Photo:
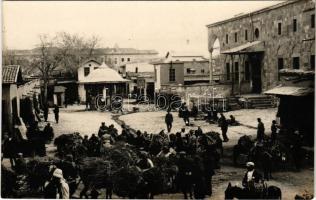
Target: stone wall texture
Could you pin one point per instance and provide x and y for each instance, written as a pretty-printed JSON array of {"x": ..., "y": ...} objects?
[{"x": 286, "y": 45}]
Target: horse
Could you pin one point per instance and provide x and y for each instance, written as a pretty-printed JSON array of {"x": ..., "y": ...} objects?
[{"x": 271, "y": 192}]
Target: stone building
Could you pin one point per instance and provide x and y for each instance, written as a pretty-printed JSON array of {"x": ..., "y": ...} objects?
[
  {"x": 180, "y": 69},
  {"x": 255, "y": 46},
  {"x": 117, "y": 57}
]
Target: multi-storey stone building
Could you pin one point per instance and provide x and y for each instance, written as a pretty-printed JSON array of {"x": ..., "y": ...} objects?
[{"x": 255, "y": 46}]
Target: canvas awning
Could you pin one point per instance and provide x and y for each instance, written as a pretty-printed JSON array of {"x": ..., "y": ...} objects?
[
  {"x": 249, "y": 47},
  {"x": 290, "y": 91}
]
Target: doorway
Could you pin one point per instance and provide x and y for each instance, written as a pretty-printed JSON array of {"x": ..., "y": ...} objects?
[{"x": 256, "y": 73}]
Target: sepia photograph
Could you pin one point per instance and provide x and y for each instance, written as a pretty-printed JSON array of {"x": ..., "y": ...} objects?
[{"x": 158, "y": 99}]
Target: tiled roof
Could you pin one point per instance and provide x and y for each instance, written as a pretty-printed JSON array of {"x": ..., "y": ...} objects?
[{"x": 10, "y": 74}]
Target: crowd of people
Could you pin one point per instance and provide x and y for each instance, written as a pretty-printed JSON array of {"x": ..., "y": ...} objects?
[{"x": 196, "y": 153}]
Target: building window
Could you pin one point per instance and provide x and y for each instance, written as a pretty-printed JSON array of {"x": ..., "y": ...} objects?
[
  {"x": 236, "y": 37},
  {"x": 312, "y": 61},
  {"x": 122, "y": 59},
  {"x": 237, "y": 71},
  {"x": 227, "y": 71},
  {"x": 257, "y": 33},
  {"x": 202, "y": 71},
  {"x": 279, "y": 28},
  {"x": 247, "y": 71},
  {"x": 115, "y": 60},
  {"x": 128, "y": 59},
  {"x": 296, "y": 62},
  {"x": 89, "y": 65},
  {"x": 172, "y": 75},
  {"x": 313, "y": 20},
  {"x": 246, "y": 35},
  {"x": 188, "y": 70},
  {"x": 136, "y": 70},
  {"x": 86, "y": 71},
  {"x": 226, "y": 38},
  {"x": 294, "y": 25},
  {"x": 280, "y": 65}
]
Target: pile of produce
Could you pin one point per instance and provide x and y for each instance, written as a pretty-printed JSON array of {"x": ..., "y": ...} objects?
[
  {"x": 95, "y": 171},
  {"x": 126, "y": 182},
  {"x": 121, "y": 155},
  {"x": 70, "y": 144}
]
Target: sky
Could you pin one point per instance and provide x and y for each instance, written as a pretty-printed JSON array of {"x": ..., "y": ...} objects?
[{"x": 163, "y": 26}]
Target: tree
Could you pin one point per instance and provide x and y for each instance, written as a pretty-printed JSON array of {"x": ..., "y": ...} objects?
[{"x": 63, "y": 50}]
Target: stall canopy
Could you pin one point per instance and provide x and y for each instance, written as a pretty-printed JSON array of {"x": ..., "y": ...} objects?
[
  {"x": 290, "y": 91},
  {"x": 104, "y": 74},
  {"x": 249, "y": 47}
]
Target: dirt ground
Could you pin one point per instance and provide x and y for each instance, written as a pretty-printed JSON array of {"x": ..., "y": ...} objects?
[{"x": 76, "y": 119}]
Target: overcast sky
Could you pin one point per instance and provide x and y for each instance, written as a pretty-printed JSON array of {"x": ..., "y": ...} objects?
[{"x": 164, "y": 26}]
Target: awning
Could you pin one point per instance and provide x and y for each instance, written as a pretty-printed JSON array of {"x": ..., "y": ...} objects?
[
  {"x": 249, "y": 47},
  {"x": 290, "y": 91}
]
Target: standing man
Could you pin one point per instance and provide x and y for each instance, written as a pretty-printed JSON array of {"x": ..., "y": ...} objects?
[
  {"x": 48, "y": 132},
  {"x": 56, "y": 112},
  {"x": 260, "y": 131},
  {"x": 224, "y": 127},
  {"x": 251, "y": 176},
  {"x": 273, "y": 131},
  {"x": 186, "y": 116},
  {"x": 169, "y": 120},
  {"x": 45, "y": 111},
  {"x": 57, "y": 187},
  {"x": 194, "y": 111}
]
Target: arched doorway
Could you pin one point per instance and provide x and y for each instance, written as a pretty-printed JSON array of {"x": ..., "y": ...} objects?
[{"x": 215, "y": 64}]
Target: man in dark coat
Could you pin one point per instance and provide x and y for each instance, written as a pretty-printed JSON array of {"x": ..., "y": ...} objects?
[
  {"x": 169, "y": 120},
  {"x": 186, "y": 116},
  {"x": 224, "y": 127},
  {"x": 194, "y": 111},
  {"x": 103, "y": 130},
  {"x": 45, "y": 109},
  {"x": 48, "y": 132},
  {"x": 251, "y": 176},
  {"x": 56, "y": 112},
  {"x": 273, "y": 131},
  {"x": 260, "y": 130},
  {"x": 184, "y": 176}
]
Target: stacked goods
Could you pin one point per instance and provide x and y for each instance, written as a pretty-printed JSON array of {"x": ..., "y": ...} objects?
[
  {"x": 121, "y": 155},
  {"x": 127, "y": 182},
  {"x": 70, "y": 144},
  {"x": 213, "y": 137},
  {"x": 245, "y": 142},
  {"x": 95, "y": 171},
  {"x": 168, "y": 170}
]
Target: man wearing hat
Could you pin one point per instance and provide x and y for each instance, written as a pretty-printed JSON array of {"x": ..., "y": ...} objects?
[
  {"x": 57, "y": 188},
  {"x": 251, "y": 176}
]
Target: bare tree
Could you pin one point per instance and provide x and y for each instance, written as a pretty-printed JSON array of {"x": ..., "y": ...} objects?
[{"x": 63, "y": 50}]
